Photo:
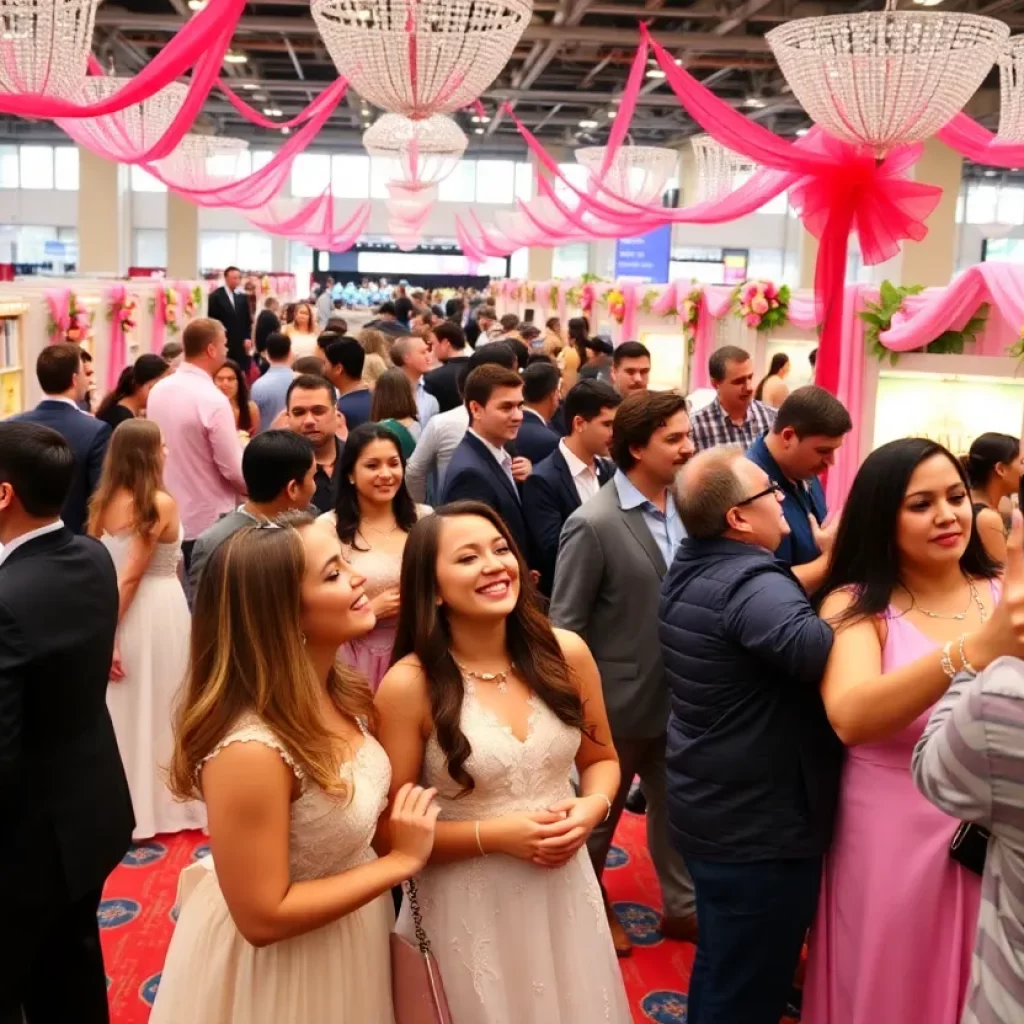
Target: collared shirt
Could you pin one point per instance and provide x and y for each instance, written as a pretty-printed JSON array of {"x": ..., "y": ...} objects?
[
  {"x": 41, "y": 531},
  {"x": 355, "y": 406},
  {"x": 325, "y": 494},
  {"x": 533, "y": 412},
  {"x": 434, "y": 450},
  {"x": 270, "y": 393},
  {"x": 583, "y": 476},
  {"x": 712, "y": 428},
  {"x": 501, "y": 456},
  {"x": 426, "y": 404},
  {"x": 66, "y": 401},
  {"x": 800, "y": 500},
  {"x": 203, "y": 470},
  {"x": 666, "y": 527}
]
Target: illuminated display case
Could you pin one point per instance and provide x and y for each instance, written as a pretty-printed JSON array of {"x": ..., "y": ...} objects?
[
  {"x": 669, "y": 358},
  {"x": 12, "y": 357}
]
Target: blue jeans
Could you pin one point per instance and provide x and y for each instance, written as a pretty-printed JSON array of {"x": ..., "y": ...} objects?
[{"x": 753, "y": 919}]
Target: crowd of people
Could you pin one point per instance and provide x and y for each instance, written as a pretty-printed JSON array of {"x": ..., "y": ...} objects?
[{"x": 414, "y": 641}]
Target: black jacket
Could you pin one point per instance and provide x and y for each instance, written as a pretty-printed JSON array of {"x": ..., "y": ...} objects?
[
  {"x": 549, "y": 498},
  {"x": 88, "y": 438},
  {"x": 474, "y": 475},
  {"x": 64, "y": 800},
  {"x": 753, "y": 764},
  {"x": 232, "y": 310},
  {"x": 443, "y": 383},
  {"x": 535, "y": 440}
]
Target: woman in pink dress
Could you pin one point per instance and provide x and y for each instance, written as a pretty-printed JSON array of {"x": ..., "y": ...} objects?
[
  {"x": 372, "y": 517},
  {"x": 913, "y": 598}
]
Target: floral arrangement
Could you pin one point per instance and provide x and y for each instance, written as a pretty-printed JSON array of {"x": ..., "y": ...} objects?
[
  {"x": 616, "y": 303},
  {"x": 588, "y": 296},
  {"x": 531, "y": 293},
  {"x": 689, "y": 312},
  {"x": 265, "y": 284},
  {"x": 170, "y": 309},
  {"x": 573, "y": 296},
  {"x": 878, "y": 317},
  {"x": 651, "y": 296},
  {"x": 1017, "y": 348},
  {"x": 79, "y": 324},
  {"x": 759, "y": 304},
  {"x": 194, "y": 302},
  {"x": 123, "y": 314}
]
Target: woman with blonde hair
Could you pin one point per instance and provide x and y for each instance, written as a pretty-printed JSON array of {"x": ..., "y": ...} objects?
[
  {"x": 290, "y": 920},
  {"x": 302, "y": 330},
  {"x": 375, "y": 343},
  {"x": 137, "y": 521},
  {"x": 374, "y": 368}
]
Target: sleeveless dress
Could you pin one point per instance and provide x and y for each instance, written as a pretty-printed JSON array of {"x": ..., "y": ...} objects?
[
  {"x": 153, "y": 639},
  {"x": 897, "y": 917},
  {"x": 337, "y": 974},
  {"x": 516, "y": 943}
]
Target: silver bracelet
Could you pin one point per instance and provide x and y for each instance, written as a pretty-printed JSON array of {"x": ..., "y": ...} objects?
[
  {"x": 608, "y": 813},
  {"x": 479, "y": 845},
  {"x": 946, "y": 661},
  {"x": 966, "y": 665}
]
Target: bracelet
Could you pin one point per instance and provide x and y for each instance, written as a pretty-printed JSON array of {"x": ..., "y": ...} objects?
[
  {"x": 967, "y": 666},
  {"x": 608, "y": 813},
  {"x": 480, "y": 845},
  {"x": 946, "y": 661}
]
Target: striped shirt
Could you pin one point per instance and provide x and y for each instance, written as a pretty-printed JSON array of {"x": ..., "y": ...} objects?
[
  {"x": 712, "y": 428},
  {"x": 969, "y": 763}
]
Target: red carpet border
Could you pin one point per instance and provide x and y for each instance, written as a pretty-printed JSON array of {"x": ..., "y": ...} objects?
[{"x": 136, "y": 918}]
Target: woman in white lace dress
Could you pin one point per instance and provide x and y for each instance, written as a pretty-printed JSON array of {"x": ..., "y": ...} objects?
[
  {"x": 137, "y": 521},
  {"x": 289, "y": 923},
  {"x": 492, "y": 707},
  {"x": 372, "y": 517}
]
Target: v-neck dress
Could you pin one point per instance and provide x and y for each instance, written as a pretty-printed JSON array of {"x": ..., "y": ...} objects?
[{"x": 516, "y": 943}]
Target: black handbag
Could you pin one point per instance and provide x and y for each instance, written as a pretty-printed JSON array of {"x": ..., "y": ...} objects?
[{"x": 969, "y": 846}]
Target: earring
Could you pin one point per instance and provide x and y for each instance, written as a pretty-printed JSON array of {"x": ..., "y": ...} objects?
[{"x": 303, "y": 635}]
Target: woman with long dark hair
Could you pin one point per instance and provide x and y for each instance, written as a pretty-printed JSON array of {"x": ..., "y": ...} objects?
[
  {"x": 914, "y": 599},
  {"x": 575, "y": 354},
  {"x": 993, "y": 467},
  {"x": 232, "y": 383},
  {"x": 493, "y": 707},
  {"x": 130, "y": 395},
  {"x": 772, "y": 389},
  {"x": 372, "y": 517},
  {"x": 289, "y": 920}
]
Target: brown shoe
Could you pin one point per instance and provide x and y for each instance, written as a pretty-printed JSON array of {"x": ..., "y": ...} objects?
[
  {"x": 680, "y": 929},
  {"x": 620, "y": 940}
]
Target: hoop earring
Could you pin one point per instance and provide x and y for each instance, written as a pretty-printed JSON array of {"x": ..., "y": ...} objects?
[{"x": 303, "y": 635}]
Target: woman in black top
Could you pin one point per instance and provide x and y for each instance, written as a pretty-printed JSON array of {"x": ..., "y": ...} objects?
[
  {"x": 993, "y": 467},
  {"x": 129, "y": 397}
]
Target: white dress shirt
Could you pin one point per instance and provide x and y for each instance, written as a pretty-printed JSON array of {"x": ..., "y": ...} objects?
[
  {"x": 41, "y": 531},
  {"x": 501, "y": 456},
  {"x": 583, "y": 476}
]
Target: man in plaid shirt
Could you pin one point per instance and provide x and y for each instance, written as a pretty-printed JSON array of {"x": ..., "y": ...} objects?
[{"x": 735, "y": 418}]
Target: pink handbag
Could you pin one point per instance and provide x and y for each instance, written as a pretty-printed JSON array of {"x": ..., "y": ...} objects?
[{"x": 416, "y": 987}]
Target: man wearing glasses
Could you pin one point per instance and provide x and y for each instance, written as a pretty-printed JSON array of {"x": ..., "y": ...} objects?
[
  {"x": 801, "y": 444},
  {"x": 753, "y": 765}
]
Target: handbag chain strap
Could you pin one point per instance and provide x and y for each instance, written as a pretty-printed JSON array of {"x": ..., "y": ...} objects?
[{"x": 417, "y": 917}]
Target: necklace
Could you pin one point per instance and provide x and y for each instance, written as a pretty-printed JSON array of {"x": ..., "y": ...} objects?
[
  {"x": 377, "y": 530},
  {"x": 500, "y": 679},
  {"x": 974, "y": 598}
]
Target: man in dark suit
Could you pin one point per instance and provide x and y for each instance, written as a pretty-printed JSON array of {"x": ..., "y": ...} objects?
[
  {"x": 231, "y": 308},
  {"x": 61, "y": 375},
  {"x": 450, "y": 349},
  {"x": 64, "y": 799},
  {"x": 542, "y": 385},
  {"x": 481, "y": 468},
  {"x": 572, "y": 474}
]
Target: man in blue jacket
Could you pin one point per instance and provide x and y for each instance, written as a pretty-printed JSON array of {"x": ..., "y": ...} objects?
[{"x": 753, "y": 765}]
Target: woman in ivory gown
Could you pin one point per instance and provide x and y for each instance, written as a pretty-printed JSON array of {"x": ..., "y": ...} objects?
[
  {"x": 137, "y": 521},
  {"x": 493, "y": 708},
  {"x": 290, "y": 921}
]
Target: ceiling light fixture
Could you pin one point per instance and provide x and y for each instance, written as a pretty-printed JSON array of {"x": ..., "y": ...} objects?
[
  {"x": 250, "y": 86},
  {"x": 478, "y": 131},
  {"x": 588, "y": 124},
  {"x": 927, "y": 3},
  {"x": 196, "y": 5},
  {"x": 801, "y": 132},
  {"x": 475, "y": 119},
  {"x": 365, "y": 112},
  {"x": 234, "y": 57},
  {"x": 655, "y": 73},
  {"x": 611, "y": 114},
  {"x": 271, "y": 112},
  {"x": 484, "y": 119},
  {"x": 754, "y": 102}
]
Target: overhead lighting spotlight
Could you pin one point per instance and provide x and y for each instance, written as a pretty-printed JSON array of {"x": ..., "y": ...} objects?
[
  {"x": 801, "y": 132},
  {"x": 286, "y": 131},
  {"x": 755, "y": 102},
  {"x": 475, "y": 119},
  {"x": 365, "y": 112},
  {"x": 250, "y": 86},
  {"x": 927, "y": 3},
  {"x": 196, "y": 5},
  {"x": 260, "y": 97},
  {"x": 363, "y": 15},
  {"x": 588, "y": 124},
  {"x": 234, "y": 57},
  {"x": 611, "y": 114},
  {"x": 655, "y": 73},
  {"x": 478, "y": 131},
  {"x": 990, "y": 174},
  {"x": 271, "y": 112},
  {"x": 484, "y": 119}
]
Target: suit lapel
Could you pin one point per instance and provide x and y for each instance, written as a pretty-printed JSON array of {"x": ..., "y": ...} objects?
[
  {"x": 492, "y": 464},
  {"x": 634, "y": 519},
  {"x": 565, "y": 477}
]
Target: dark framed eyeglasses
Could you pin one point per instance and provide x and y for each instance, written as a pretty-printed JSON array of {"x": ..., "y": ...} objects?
[{"x": 774, "y": 488}]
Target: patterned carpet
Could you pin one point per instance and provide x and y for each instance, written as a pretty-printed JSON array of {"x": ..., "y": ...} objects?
[{"x": 136, "y": 918}]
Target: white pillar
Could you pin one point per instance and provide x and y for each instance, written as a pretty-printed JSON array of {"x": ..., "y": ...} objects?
[
  {"x": 182, "y": 238},
  {"x": 104, "y": 216}
]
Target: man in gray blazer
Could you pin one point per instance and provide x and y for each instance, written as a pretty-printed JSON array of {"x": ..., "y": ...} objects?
[{"x": 613, "y": 553}]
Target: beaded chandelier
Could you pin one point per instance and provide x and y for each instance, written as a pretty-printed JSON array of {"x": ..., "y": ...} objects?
[
  {"x": 420, "y": 57},
  {"x": 882, "y": 79},
  {"x": 45, "y": 45},
  {"x": 203, "y": 162},
  {"x": 423, "y": 152},
  {"x": 130, "y": 132},
  {"x": 638, "y": 174},
  {"x": 718, "y": 168},
  {"x": 1011, "y": 89}
]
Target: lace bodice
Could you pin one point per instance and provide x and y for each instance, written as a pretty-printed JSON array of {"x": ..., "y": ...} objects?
[
  {"x": 328, "y": 834},
  {"x": 510, "y": 776},
  {"x": 165, "y": 558}
]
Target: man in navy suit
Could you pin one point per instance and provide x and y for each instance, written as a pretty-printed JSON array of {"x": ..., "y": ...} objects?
[
  {"x": 571, "y": 474},
  {"x": 231, "y": 308},
  {"x": 481, "y": 468},
  {"x": 61, "y": 375},
  {"x": 542, "y": 386}
]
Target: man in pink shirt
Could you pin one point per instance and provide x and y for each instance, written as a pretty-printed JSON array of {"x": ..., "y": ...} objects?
[{"x": 203, "y": 469}]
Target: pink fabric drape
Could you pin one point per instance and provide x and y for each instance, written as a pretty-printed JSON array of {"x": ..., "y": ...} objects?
[
  {"x": 315, "y": 223},
  {"x": 715, "y": 303},
  {"x": 158, "y": 335},
  {"x": 58, "y": 301},
  {"x": 117, "y": 353},
  {"x": 977, "y": 143}
]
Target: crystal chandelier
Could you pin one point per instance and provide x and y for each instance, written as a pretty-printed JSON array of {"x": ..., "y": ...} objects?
[
  {"x": 637, "y": 174},
  {"x": 886, "y": 78},
  {"x": 204, "y": 162},
  {"x": 423, "y": 152},
  {"x": 130, "y": 132},
  {"x": 718, "y": 168},
  {"x": 420, "y": 57},
  {"x": 1011, "y": 90},
  {"x": 46, "y": 45}
]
